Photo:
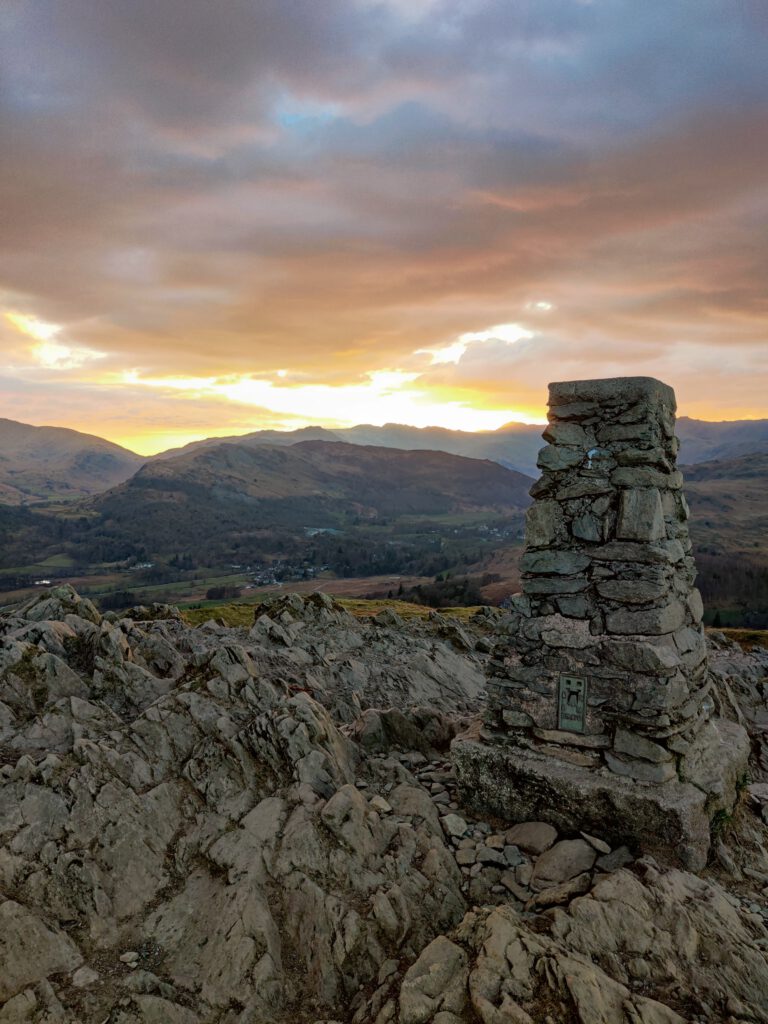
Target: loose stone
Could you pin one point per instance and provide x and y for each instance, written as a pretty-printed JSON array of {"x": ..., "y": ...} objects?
[{"x": 532, "y": 836}]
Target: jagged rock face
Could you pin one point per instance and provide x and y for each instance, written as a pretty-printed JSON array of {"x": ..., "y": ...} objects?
[
  {"x": 596, "y": 962},
  {"x": 174, "y": 791},
  {"x": 219, "y": 826}
]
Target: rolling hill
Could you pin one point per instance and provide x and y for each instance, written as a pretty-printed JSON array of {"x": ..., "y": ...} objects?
[
  {"x": 313, "y": 485},
  {"x": 39, "y": 463}
]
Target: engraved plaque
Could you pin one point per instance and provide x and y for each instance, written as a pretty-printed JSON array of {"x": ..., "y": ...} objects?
[{"x": 572, "y": 703}]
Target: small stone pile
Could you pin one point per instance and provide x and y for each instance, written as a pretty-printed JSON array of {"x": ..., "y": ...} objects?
[{"x": 500, "y": 864}]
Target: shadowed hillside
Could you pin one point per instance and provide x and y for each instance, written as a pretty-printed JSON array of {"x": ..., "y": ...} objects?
[
  {"x": 729, "y": 500},
  {"x": 311, "y": 485},
  {"x": 702, "y": 441},
  {"x": 729, "y": 526},
  {"x": 52, "y": 462}
]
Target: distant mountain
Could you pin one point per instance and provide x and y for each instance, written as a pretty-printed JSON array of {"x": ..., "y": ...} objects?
[
  {"x": 702, "y": 441},
  {"x": 255, "y": 439},
  {"x": 514, "y": 445},
  {"x": 178, "y": 503},
  {"x": 50, "y": 462}
]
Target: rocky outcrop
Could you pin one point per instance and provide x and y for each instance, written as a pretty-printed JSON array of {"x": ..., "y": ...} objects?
[
  {"x": 615, "y": 956},
  {"x": 224, "y": 826}
]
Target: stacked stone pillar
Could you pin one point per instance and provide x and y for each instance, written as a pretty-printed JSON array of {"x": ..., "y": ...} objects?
[
  {"x": 608, "y": 589},
  {"x": 606, "y": 674}
]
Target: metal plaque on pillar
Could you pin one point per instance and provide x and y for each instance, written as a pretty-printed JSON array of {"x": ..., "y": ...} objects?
[{"x": 572, "y": 703}]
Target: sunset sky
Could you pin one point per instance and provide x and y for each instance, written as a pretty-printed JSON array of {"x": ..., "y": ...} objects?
[{"x": 222, "y": 215}]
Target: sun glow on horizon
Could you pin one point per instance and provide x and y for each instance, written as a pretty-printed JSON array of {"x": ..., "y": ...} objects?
[{"x": 386, "y": 396}]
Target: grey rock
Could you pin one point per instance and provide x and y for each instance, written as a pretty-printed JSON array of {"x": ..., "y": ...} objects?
[
  {"x": 632, "y": 591},
  {"x": 555, "y": 585},
  {"x": 568, "y": 434},
  {"x": 562, "y": 892},
  {"x": 379, "y": 804},
  {"x": 641, "y": 771},
  {"x": 584, "y": 486},
  {"x": 30, "y": 951},
  {"x": 83, "y": 977},
  {"x": 642, "y": 477},
  {"x": 488, "y": 856},
  {"x": 574, "y": 606},
  {"x": 435, "y": 982},
  {"x": 642, "y": 656},
  {"x": 635, "y": 745},
  {"x": 454, "y": 825},
  {"x": 561, "y": 563},
  {"x": 587, "y": 527},
  {"x": 613, "y": 391},
  {"x": 543, "y": 524},
  {"x": 695, "y": 605},
  {"x": 716, "y": 762},
  {"x": 558, "y": 457},
  {"x": 520, "y": 892},
  {"x": 655, "y": 457},
  {"x": 559, "y": 631},
  {"x": 496, "y": 842},
  {"x": 618, "y": 858},
  {"x": 662, "y": 553},
  {"x": 641, "y": 516},
  {"x": 510, "y": 782},
  {"x": 590, "y": 741},
  {"x": 532, "y": 836},
  {"x": 596, "y": 844},
  {"x": 563, "y": 861},
  {"x": 652, "y": 621}
]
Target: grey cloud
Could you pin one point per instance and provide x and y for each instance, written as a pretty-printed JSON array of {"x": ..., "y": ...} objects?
[{"x": 450, "y": 166}]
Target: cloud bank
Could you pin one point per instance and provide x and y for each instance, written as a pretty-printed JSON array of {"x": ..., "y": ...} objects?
[{"x": 258, "y": 197}]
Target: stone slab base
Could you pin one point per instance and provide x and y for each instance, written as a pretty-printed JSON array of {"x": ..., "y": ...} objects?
[{"x": 519, "y": 785}]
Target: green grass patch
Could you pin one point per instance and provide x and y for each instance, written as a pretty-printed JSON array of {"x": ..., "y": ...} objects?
[
  {"x": 241, "y": 613},
  {"x": 60, "y": 561},
  {"x": 748, "y": 639}
]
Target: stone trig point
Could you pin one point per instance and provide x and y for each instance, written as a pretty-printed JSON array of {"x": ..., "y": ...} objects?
[{"x": 600, "y": 710}]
